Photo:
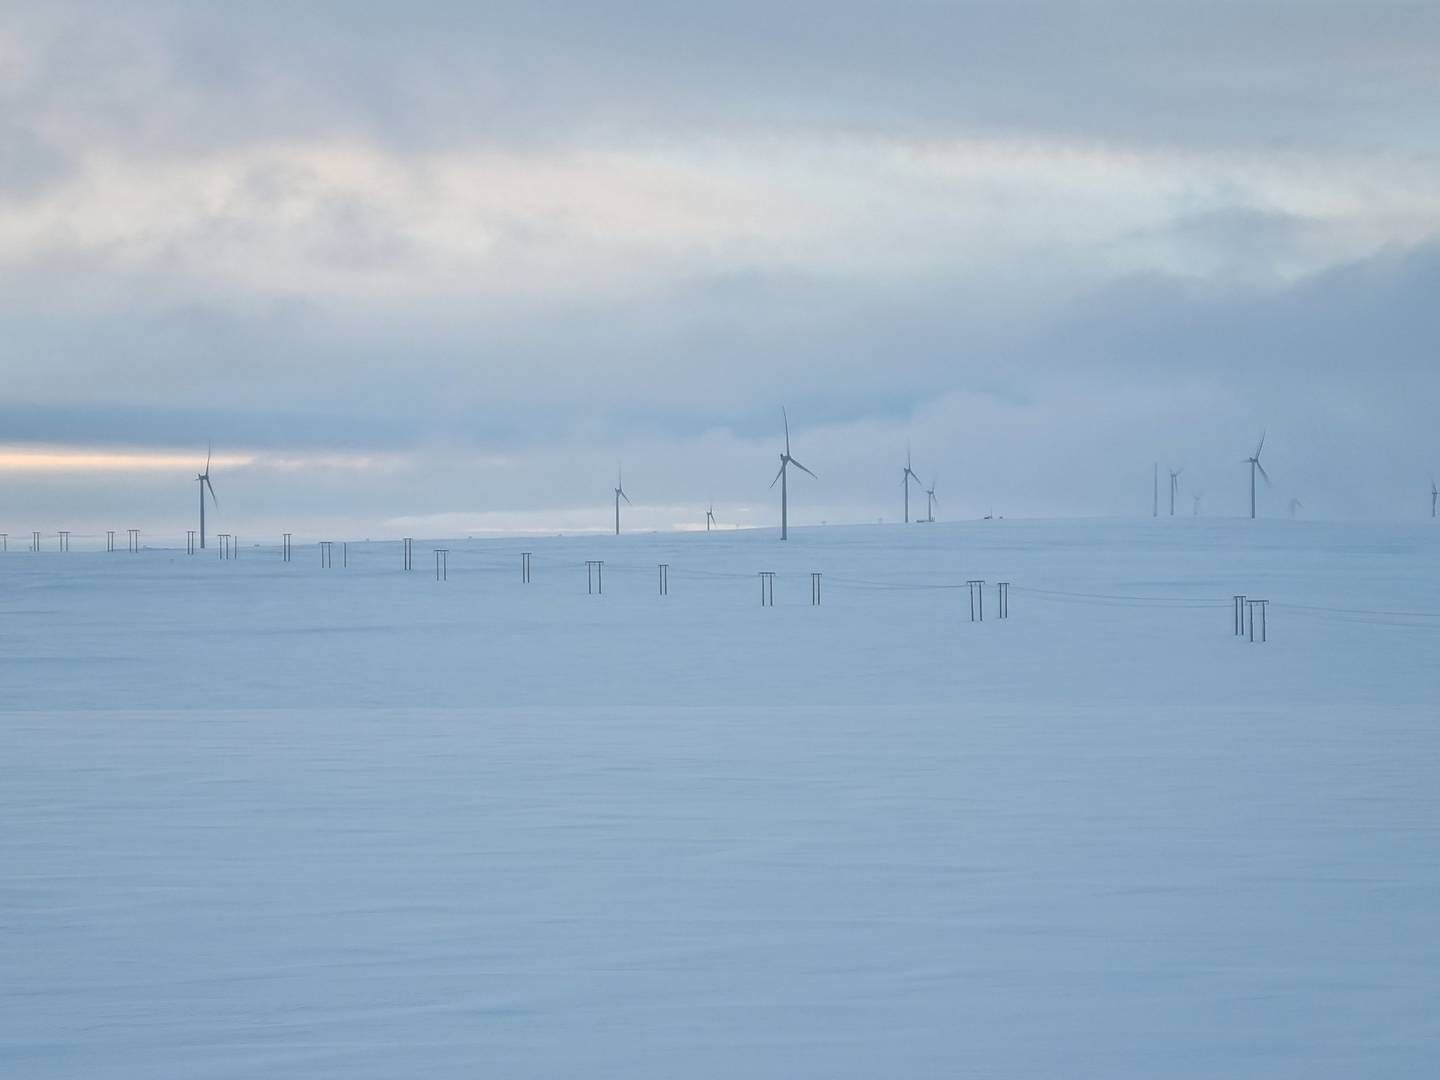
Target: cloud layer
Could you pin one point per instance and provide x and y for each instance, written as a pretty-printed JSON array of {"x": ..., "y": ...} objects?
[{"x": 449, "y": 263}]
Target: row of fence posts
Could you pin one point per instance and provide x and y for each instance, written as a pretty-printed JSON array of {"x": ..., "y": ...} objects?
[
  {"x": 63, "y": 540},
  {"x": 595, "y": 573},
  {"x": 1244, "y": 617},
  {"x": 595, "y": 586},
  {"x": 977, "y": 599}
]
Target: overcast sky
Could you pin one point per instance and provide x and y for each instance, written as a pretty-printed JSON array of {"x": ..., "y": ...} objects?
[{"x": 435, "y": 268}]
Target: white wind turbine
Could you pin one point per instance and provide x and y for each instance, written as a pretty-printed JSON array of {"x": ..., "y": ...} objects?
[
  {"x": 203, "y": 479},
  {"x": 1254, "y": 462},
  {"x": 619, "y": 494},
  {"x": 783, "y": 478},
  {"x": 905, "y": 478}
]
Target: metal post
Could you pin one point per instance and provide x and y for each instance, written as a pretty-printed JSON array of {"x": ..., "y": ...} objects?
[
  {"x": 1252, "y": 605},
  {"x": 442, "y": 564},
  {"x": 1239, "y": 619},
  {"x": 815, "y": 588},
  {"x": 525, "y": 567},
  {"x": 767, "y": 588},
  {"x": 977, "y": 591},
  {"x": 285, "y": 547},
  {"x": 326, "y": 555},
  {"x": 34, "y": 541},
  {"x": 594, "y": 577},
  {"x": 664, "y": 579},
  {"x": 135, "y": 540},
  {"x": 1002, "y": 599},
  {"x": 344, "y": 554},
  {"x": 409, "y": 553},
  {"x": 64, "y": 539}
]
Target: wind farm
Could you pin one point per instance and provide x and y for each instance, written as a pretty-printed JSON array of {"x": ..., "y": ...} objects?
[{"x": 438, "y": 750}]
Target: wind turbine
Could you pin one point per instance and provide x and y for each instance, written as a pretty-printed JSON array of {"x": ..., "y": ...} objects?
[
  {"x": 203, "y": 479},
  {"x": 1174, "y": 486},
  {"x": 1155, "y": 486},
  {"x": 1254, "y": 462},
  {"x": 710, "y": 516},
  {"x": 1195, "y": 511},
  {"x": 930, "y": 502},
  {"x": 783, "y": 478},
  {"x": 619, "y": 494},
  {"x": 1295, "y": 504},
  {"x": 1434, "y": 495},
  {"x": 905, "y": 479}
]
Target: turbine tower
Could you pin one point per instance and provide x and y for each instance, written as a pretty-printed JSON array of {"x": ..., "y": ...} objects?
[
  {"x": 1434, "y": 495},
  {"x": 619, "y": 494},
  {"x": 905, "y": 478},
  {"x": 783, "y": 478},
  {"x": 930, "y": 502},
  {"x": 203, "y": 479},
  {"x": 1174, "y": 486},
  {"x": 1254, "y": 462}
]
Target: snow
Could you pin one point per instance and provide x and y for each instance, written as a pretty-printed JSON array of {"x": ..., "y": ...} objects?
[{"x": 272, "y": 820}]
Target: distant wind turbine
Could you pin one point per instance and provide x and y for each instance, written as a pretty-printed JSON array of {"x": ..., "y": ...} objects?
[
  {"x": 1434, "y": 494},
  {"x": 930, "y": 502},
  {"x": 1195, "y": 511},
  {"x": 1295, "y": 504},
  {"x": 710, "y": 516},
  {"x": 905, "y": 478},
  {"x": 783, "y": 478},
  {"x": 619, "y": 494},
  {"x": 1174, "y": 486},
  {"x": 203, "y": 479},
  {"x": 1254, "y": 462}
]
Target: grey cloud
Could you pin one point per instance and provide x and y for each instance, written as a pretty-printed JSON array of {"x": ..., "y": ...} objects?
[{"x": 1265, "y": 74}]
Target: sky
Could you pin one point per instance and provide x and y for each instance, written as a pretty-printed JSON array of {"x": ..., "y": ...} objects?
[{"x": 441, "y": 268}]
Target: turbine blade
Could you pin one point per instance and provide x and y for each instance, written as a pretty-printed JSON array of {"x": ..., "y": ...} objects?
[
  {"x": 211, "y": 486},
  {"x": 1261, "y": 445},
  {"x": 786, "y": 417},
  {"x": 1263, "y": 473},
  {"x": 626, "y": 498},
  {"x": 778, "y": 475},
  {"x": 802, "y": 467}
]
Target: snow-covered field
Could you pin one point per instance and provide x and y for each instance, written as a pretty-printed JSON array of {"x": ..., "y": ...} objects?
[{"x": 260, "y": 819}]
